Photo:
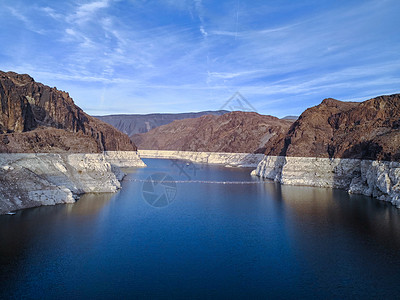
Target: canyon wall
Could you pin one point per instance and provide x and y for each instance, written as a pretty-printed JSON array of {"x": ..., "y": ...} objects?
[
  {"x": 379, "y": 179},
  {"x": 37, "y": 118},
  {"x": 35, "y": 179},
  {"x": 234, "y": 132}
]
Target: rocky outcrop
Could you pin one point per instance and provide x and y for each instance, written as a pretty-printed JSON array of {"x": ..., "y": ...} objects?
[
  {"x": 28, "y": 106},
  {"x": 47, "y": 140},
  {"x": 348, "y": 145},
  {"x": 334, "y": 129},
  {"x": 379, "y": 179},
  {"x": 124, "y": 159},
  {"x": 235, "y": 132},
  {"x": 35, "y": 179},
  {"x": 133, "y": 124},
  {"x": 30, "y": 180},
  {"x": 249, "y": 160}
]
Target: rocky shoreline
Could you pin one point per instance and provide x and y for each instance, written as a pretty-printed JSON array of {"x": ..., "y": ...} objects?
[
  {"x": 244, "y": 160},
  {"x": 378, "y": 179},
  {"x": 36, "y": 179}
]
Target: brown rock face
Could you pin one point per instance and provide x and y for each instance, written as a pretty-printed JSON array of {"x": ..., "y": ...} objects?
[
  {"x": 335, "y": 129},
  {"x": 237, "y": 132},
  {"x": 26, "y": 105},
  {"x": 47, "y": 140}
]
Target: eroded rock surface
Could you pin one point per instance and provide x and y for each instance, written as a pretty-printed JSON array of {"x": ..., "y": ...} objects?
[
  {"x": 378, "y": 179},
  {"x": 235, "y": 132},
  {"x": 29, "y": 106},
  {"x": 335, "y": 129},
  {"x": 30, "y": 180},
  {"x": 134, "y": 123}
]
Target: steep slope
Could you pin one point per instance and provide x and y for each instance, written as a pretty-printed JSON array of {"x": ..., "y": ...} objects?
[
  {"x": 335, "y": 129},
  {"x": 236, "y": 132},
  {"x": 133, "y": 124},
  {"x": 55, "y": 122}
]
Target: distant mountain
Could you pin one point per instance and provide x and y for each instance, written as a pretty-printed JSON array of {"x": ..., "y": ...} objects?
[
  {"x": 336, "y": 129},
  {"x": 290, "y": 118},
  {"x": 245, "y": 132},
  {"x": 136, "y": 123},
  {"x": 37, "y": 118}
]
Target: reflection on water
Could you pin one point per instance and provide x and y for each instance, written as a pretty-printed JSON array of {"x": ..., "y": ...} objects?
[
  {"x": 89, "y": 204},
  {"x": 213, "y": 241},
  {"x": 21, "y": 233},
  {"x": 332, "y": 207}
]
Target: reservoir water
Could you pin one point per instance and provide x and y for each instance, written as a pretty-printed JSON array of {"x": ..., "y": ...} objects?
[{"x": 194, "y": 237}]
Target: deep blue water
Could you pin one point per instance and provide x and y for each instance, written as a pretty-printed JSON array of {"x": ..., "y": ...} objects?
[{"x": 208, "y": 241}]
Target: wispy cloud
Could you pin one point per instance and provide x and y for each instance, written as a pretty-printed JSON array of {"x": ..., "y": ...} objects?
[
  {"x": 200, "y": 12},
  {"x": 146, "y": 56},
  {"x": 25, "y": 19},
  {"x": 87, "y": 11}
]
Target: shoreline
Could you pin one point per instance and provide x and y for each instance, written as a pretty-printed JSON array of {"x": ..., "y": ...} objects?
[
  {"x": 36, "y": 179},
  {"x": 240, "y": 160},
  {"x": 377, "y": 179}
]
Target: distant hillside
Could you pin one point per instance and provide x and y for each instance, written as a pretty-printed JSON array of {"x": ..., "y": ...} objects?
[
  {"x": 135, "y": 123},
  {"x": 37, "y": 118},
  {"x": 245, "y": 132},
  {"x": 336, "y": 129},
  {"x": 290, "y": 118}
]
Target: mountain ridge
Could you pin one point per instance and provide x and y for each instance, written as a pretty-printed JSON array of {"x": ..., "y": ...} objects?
[
  {"x": 338, "y": 129},
  {"x": 235, "y": 132},
  {"x": 131, "y": 124},
  {"x": 29, "y": 106}
]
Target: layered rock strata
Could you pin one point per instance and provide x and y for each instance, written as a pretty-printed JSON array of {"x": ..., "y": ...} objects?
[
  {"x": 349, "y": 145},
  {"x": 35, "y": 179},
  {"x": 379, "y": 179},
  {"x": 124, "y": 159}
]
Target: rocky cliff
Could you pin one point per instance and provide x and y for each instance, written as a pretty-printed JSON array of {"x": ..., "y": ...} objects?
[
  {"x": 133, "y": 124},
  {"x": 35, "y": 179},
  {"x": 348, "y": 145},
  {"x": 37, "y": 118},
  {"x": 378, "y": 179},
  {"x": 235, "y": 132},
  {"x": 335, "y": 129}
]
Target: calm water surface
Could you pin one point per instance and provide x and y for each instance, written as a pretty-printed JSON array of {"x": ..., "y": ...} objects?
[{"x": 211, "y": 241}]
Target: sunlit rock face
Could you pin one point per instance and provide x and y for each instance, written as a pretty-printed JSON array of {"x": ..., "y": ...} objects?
[
  {"x": 35, "y": 179},
  {"x": 335, "y": 129},
  {"x": 124, "y": 159},
  {"x": 379, "y": 179},
  {"x": 30, "y": 180},
  {"x": 348, "y": 145},
  {"x": 132, "y": 124},
  {"x": 234, "y": 132},
  {"x": 37, "y": 118}
]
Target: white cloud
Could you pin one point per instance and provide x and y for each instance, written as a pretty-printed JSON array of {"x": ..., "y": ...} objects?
[
  {"x": 87, "y": 11},
  {"x": 203, "y": 32},
  {"x": 98, "y": 46},
  {"x": 52, "y": 13},
  {"x": 22, "y": 17}
]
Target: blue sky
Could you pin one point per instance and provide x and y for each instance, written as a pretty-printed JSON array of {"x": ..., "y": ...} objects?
[{"x": 144, "y": 56}]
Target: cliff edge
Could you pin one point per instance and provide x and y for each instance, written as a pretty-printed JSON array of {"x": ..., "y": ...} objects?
[
  {"x": 335, "y": 129},
  {"x": 37, "y": 118}
]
